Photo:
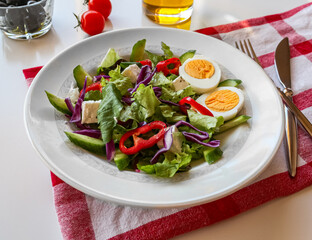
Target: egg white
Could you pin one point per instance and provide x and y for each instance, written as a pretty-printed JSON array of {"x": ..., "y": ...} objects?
[
  {"x": 201, "y": 85},
  {"x": 227, "y": 115}
]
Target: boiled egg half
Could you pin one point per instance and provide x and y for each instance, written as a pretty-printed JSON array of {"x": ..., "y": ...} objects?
[
  {"x": 223, "y": 101},
  {"x": 202, "y": 73}
]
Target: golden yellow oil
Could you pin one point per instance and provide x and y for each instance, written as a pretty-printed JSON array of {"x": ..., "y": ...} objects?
[{"x": 168, "y": 11}]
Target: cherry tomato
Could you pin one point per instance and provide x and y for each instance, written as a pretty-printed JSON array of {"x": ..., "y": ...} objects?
[
  {"x": 102, "y": 6},
  {"x": 92, "y": 22}
]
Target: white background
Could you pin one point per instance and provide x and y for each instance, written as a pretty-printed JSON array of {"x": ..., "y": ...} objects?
[{"x": 26, "y": 202}]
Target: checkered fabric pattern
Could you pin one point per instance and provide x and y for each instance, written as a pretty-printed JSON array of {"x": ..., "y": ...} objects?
[{"x": 84, "y": 217}]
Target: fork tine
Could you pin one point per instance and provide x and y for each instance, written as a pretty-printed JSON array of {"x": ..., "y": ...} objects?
[
  {"x": 242, "y": 47},
  {"x": 246, "y": 47},
  {"x": 253, "y": 52},
  {"x": 236, "y": 45}
]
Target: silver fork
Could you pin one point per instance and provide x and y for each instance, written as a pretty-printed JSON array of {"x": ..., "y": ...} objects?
[{"x": 292, "y": 107}]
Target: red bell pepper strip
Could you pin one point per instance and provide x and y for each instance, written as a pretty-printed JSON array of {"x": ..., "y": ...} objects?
[
  {"x": 195, "y": 105},
  {"x": 169, "y": 66},
  {"x": 140, "y": 143},
  {"x": 93, "y": 87},
  {"x": 146, "y": 62}
]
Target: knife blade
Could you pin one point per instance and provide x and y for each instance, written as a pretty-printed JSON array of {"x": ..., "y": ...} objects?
[{"x": 282, "y": 65}]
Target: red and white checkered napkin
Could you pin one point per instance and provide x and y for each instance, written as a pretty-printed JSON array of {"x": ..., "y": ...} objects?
[{"x": 84, "y": 217}]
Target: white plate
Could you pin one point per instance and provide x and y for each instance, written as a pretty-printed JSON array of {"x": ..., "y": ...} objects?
[{"x": 248, "y": 149}]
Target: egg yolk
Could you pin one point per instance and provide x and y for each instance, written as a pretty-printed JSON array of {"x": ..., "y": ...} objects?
[
  {"x": 222, "y": 100},
  {"x": 199, "y": 68}
]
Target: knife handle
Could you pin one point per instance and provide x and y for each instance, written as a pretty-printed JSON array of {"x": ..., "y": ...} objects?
[
  {"x": 291, "y": 141},
  {"x": 304, "y": 122}
]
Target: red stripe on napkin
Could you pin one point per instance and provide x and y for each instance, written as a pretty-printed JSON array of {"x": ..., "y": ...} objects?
[
  {"x": 184, "y": 221},
  {"x": 266, "y": 60},
  {"x": 305, "y": 146},
  {"x": 30, "y": 74},
  {"x": 55, "y": 180},
  {"x": 73, "y": 213},
  {"x": 303, "y": 100},
  {"x": 305, "y": 48},
  {"x": 210, "y": 31}
]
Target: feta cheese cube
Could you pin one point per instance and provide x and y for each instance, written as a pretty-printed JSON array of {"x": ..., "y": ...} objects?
[
  {"x": 89, "y": 111},
  {"x": 132, "y": 72},
  {"x": 179, "y": 83}
]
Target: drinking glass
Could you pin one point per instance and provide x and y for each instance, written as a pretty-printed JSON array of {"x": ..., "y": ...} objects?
[
  {"x": 27, "y": 21},
  {"x": 168, "y": 12}
]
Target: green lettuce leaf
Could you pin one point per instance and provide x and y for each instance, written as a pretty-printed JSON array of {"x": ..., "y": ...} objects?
[
  {"x": 172, "y": 77},
  {"x": 170, "y": 114},
  {"x": 145, "y": 103},
  {"x": 175, "y": 118},
  {"x": 138, "y": 49},
  {"x": 122, "y": 83},
  {"x": 154, "y": 57},
  {"x": 168, "y": 168},
  {"x": 167, "y": 111},
  {"x": 120, "y": 130},
  {"x": 203, "y": 122},
  {"x": 127, "y": 114},
  {"x": 93, "y": 95},
  {"x": 170, "y": 94},
  {"x": 109, "y": 60},
  {"x": 149, "y": 169},
  {"x": 166, "y": 49},
  {"x": 109, "y": 109},
  {"x": 159, "y": 80},
  {"x": 193, "y": 149},
  {"x": 212, "y": 155}
]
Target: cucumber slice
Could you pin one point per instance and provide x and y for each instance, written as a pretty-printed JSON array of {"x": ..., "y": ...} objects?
[
  {"x": 212, "y": 155},
  {"x": 58, "y": 103},
  {"x": 121, "y": 160},
  {"x": 232, "y": 123},
  {"x": 90, "y": 144},
  {"x": 187, "y": 55},
  {"x": 138, "y": 51},
  {"x": 80, "y": 75},
  {"x": 230, "y": 83}
]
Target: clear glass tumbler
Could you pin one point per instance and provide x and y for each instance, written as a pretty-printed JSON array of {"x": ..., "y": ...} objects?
[
  {"x": 168, "y": 12},
  {"x": 27, "y": 21}
]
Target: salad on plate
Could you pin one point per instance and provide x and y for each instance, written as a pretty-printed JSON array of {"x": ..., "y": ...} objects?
[{"x": 152, "y": 113}]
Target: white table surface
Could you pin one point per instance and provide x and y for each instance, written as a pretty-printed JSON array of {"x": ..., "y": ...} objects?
[{"x": 26, "y": 202}]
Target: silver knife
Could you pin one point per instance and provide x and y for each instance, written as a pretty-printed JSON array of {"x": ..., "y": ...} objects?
[{"x": 282, "y": 65}]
